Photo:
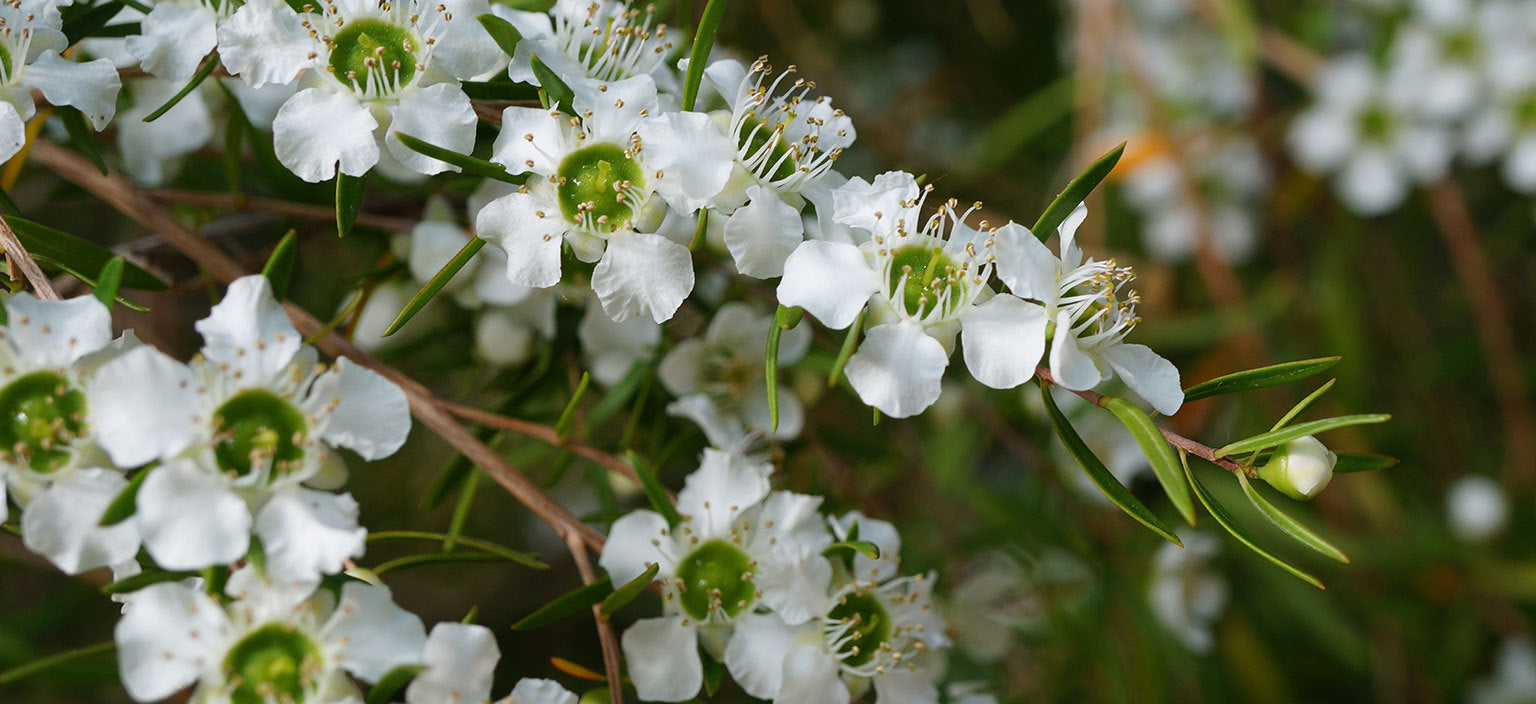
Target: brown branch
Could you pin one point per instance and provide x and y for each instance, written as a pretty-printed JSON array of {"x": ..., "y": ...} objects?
[
  {"x": 542, "y": 433},
  {"x": 136, "y": 204},
  {"x": 20, "y": 259},
  {"x": 281, "y": 207},
  {"x": 605, "y": 637}
]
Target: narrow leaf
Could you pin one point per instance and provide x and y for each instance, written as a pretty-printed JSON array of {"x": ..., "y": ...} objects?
[
  {"x": 653, "y": 490},
  {"x": 700, "y": 229},
  {"x": 850, "y": 341},
  {"x": 502, "y": 31},
  {"x": 80, "y": 135},
  {"x": 560, "y": 95},
  {"x": 714, "y": 676},
  {"x": 51, "y": 661},
  {"x": 392, "y": 682},
  {"x": 1159, "y": 453},
  {"x": 126, "y": 502},
  {"x": 568, "y": 414},
  {"x": 627, "y": 593},
  {"x": 1302, "y": 405},
  {"x": 1076, "y": 192},
  {"x": 10, "y": 205},
  {"x": 569, "y": 604},
  {"x": 429, "y": 558},
  {"x": 131, "y": 584},
  {"x": 81, "y": 258},
  {"x": 1258, "y": 378},
  {"x": 1237, "y": 531},
  {"x": 349, "y": 201},
  {"x": 1284, "y": 435},
  {"x": 279, "y": 266},
  {"x": 1099, "y": 474},
  {"x": 771, "y": 368},
  {"x": 1289, "y": 525},
  {"x": 1352, "y": 462},
  {"x": 79, "y": 25},
  {"x": 703, "y": 42},
  {"x": 526, "y": 558},
  {"x": 108, "y": 281},
  {"x": 505, "y": 91},
  {"x": 862, "y": 547},
  {"x": 579, "y": 672},
  {"x": 209, "y": 64},
  {"x": 431, "y": 288},
  {"x": 468, "y": 164}
]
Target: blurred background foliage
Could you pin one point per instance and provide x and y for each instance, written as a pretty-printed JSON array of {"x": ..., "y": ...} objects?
[{"x": 1048, "y": 586}]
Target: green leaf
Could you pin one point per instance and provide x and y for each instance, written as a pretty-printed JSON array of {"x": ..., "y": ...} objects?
[
  {"x": 85, "y": 22},
  {"x": 771, "y": 367},
  {"x": 447, "y": 482},
  {"x": 469, "y": 164},
  {"x": 1302, "y": 405},
  {"x": 5, "y": 200},
  {"x": 714, "y": 675},
  {"x": 131, "y": 584},
  {"x": 505, "y": 91},
  {"x": 108, "y": 281},
  {"x": 279, "y": 266},
  {"x": 568, "y": 414},
  {"x": 1258, "y": 378},
  {"x": 126, "y": 502},
  {"x": 1288, "y": 525},
  {"x": 1284, "y": 435},
  {"x": 524, "y": 558},
  {"x": 51, "y": 661},
  {"x": 559, "y": 94},
  {"x": 1159, "y": 453},
  {"x": 850, "y": 341},
  {"x": 429, "y": 558},
  {"x": 1076, "y": 192},
  {"x": 121, "y": 29},
  {"x": 502, "y": 31},
  {"x": 862, "y": 547},
  {"x": 627, "y": 593},
  {"x": 569, "y": 604},
  {"x": 703, "y": 42},
  {"x": 349, "y": 201},
  {"x": 81, "y": 258},
  {"x": 1237, "y": 531},
  {"x": 431, "y": 288},
  {"x": 1353, "y": 462},
  {"x": 619, "y": 394},
  {"x": 653, "y": 489},
  {"x": 392, "y": 682},
  {"x": 700, "y": 229},
  {"x": 80, "y": 135},
  {"x": 1099, "y": 474},
  {"x": 209, "y": 64}
]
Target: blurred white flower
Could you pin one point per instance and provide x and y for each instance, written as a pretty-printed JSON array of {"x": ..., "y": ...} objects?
[
  {"x": 1476, "y": 508},
  {"x": 30, "y": 60},
  {"x": 1186, "y": 594},
  {"x": 1514, "y": 678}
]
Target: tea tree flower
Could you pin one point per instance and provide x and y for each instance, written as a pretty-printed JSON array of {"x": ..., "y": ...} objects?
[
  {"x": 738, "y": 548},
  {"x": 1476, "y": 508},
  {"x": 1514, "y": 677},
  {"x": 718, "y": 378},
  {"x": 460, "y": 663},
  {"x": 373, "y": 69},
  {"x": 610, "y": 349},
  {"x": 596, "y": 40},
  {"x": 923, "y": 281},
  {"x": 591, "y": 187},
  {"x": 1186, "y": 594},
  {"x": 270, "y": 643},
  {"x": 30, "y": 43},
  {"x": 152, "y": 151},
  {"x": 1083, "y": 302},
  {"x": 176, "y": 35}
]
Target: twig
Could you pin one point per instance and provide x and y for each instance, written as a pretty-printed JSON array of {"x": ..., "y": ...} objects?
[
  {"x": 540, "y": 432},
  {"x": 605, "y": 637},
  {"x": 133, "y": 202},
  {"x": 19, "y": 258},
  {"x": 281, "y": 207}
]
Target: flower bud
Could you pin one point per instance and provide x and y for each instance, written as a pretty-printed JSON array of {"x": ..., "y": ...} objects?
[{"x": 1300, "y": 468}]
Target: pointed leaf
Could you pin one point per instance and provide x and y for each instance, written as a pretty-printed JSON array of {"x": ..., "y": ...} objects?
[
  {"x": 392, "y": 682},
  {"x": 1353, "y": 462},
  {"x": 279, "y": 266},
  {"x": 771, "y": 368},
  {"x": 1284, "y": 435},
  {"x": 80, "y": 135},
  {"x": 349, "y": 201},
  {"x": 570, "y": 604},
  {"x": 431, "y": 288},
  {"x": 850, "y": 343},
  {"x": 429, "y": 558},
  {"x": 1159, "y": 453},
  {"x": 1258, "y": 378},
  {"x": 1099, "y": 474},
  {"x": 862, "y": 547},
  {"x": 85, "y": 22},
  {"x": 698, "y": 56},
  {"x": 627, "y": 593},
  {"x": 45, "y": 663},
  {"x": 81, "y": 258},
  {"x": 125, "y": 503},
  {"x": 108, "y": 281},
  {"x": 568, "y": 415},
  {"x": 1302, "y": 405},
  {"x": 504, "y": 91},
  {"x": 1237, "y": 531},
  {"x": 526, "y": 558},
  {"x": 468, "y": 164},
  {"x": 133, "y": 583},
  {"x": 714, "y": 675},
  {"x": 502, "y": 31},
  {"x": 1076, "y": 192},
  {"x": 653, "y": 490},
  {"x": 559, "y": 94},
  {"x": 1288, "y": 525},
  {"x": 209, "y": 64}
]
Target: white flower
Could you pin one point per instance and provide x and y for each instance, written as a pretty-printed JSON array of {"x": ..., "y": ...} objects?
[
  {"x": 240, "y": 430},
  {"x": 1228, "y": 173},
  {"x": 592, "y": 178},
  {"x": 30, "y": 42},
  {"x": 1476, "y": 508},
  {"x": 783, "y": 145},
  {"x": 152, "y": 151},
  {"x": 373, "y": 69},
  {"x": 1514, "y": 678},
  {"x": 1368, "y": 128},
  {"x": 1454, "y": 48},
  {"x": 269, "y": 644},
  {"x": 460, "y": 664},
  {"x": 1083, "y": 300},
  {"x": 875, "y": 628},
  {"x": 738, "y": 548},
  {"x": 176, "y": 35},
  {"x": 610, "y": 349},
  {"x": 718, "y": 379},
  {"x": 600, "y": 40},
  {"x": 1186, "y": 594},
  {"x": 923, "y": 282}
]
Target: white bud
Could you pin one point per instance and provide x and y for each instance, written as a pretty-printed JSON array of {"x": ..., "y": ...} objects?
[{"x": 1300, "y": 468}]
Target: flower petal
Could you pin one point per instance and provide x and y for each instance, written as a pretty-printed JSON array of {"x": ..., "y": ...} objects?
[
  {"x": 884, "y": 535},
  {"x": 724, "y": 485},
  {"x": 537, "y": 691},
  {"x": 691, "y": 155},
  {"x": 755, "y": 655},
  {"x": 871, "y": 206},
  {"x": 901, "y": 685},
  {"x": 633, "y": 545},
  {"x": 1004, "y": 339},
  {"x": 811, "y": 677},
  {"x": 1149, "y": 375},
  {"x": 643, "y": 274},
  {"x": 151, "y": 150},
  {"x": 762, "y": 234},
  {"x": 830, "y": 280},
  {"x": 461, "y": 661},
  {"x": 681, "y": 371},
  {"x": 1025, "y": 264},
  {"x": 663, "y": 658},
  {"x": 13, "y": 132},
  {"x": 898, "y": 369},
  {"x": 367, "y": 414},
  {"x": 720, "y": 428},
  {"x": 464, "y": 49},
  {"x": 612, "y": 348},
  {"x": 372, "y": 634},
  {"x": 531, "y": 139},
  {"x": 793, "y": 579},
  {"x": 523, "y": 224},
  {"x": 612, "y": 110},
  {"x": 167, "y": 635},
  {"x": 318, "y": 129},
  {"x": 61, "y": 523},
  {"x": 439, "y": 114},
  {"x": 56, "y": 333},
  {"x": 127, "y": 425},
  {"x": 250, "y": 331},
  {"x": 264, "y": 42},
  {"x": 173, "y": 39},
  {"x": 306, "y": 533},
  {"x": 190, "y": 518},
  {"x": 1070, "y": 365},
  {"x": 91, "y": 86}
]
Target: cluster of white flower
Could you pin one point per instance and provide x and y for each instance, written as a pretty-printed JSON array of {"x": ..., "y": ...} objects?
[{"x": 1457, "y": 78}]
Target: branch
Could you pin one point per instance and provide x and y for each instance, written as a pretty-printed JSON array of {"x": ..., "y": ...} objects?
[
  {"x": 20, "y": 259},
  {"x": 137, "y": 205},
  {"x": 281, "y": 207},
  {"x": 542, "y": 433},
  {"x": 604, "y": 628}
]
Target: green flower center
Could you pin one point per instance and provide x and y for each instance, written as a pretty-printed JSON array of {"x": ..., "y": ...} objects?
[
  {"x": 765, "y": 151},
  {"x": 598, "y": 187},
  {"x": 859, "y": 625},
  {"x": 40, "y": 415},
  {"x": 256, "y": 427},
  {"x": 930, "y": 274},
  {"x": 1460, "y": 46},
  {"x": 373, "y": 56},
  {"x": 1375, "y": 123},
  {"x": 274, "y": 663},
  {"x": 1525, "y": 112},
  {"x": 716, "y": 578}
]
